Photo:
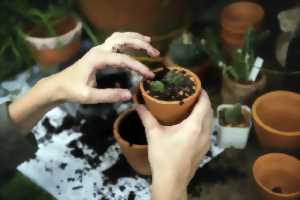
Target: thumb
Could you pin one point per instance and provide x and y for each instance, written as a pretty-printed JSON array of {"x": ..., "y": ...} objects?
[
  {"x": 108, "y": 95},
  {"x": 148, "y": 119}
]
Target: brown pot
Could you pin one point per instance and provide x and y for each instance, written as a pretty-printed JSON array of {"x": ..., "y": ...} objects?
[
  {"x": 136, "y": 155},
  {"x": 172, "y": 112},
  {"x": 236, "y": 18},
  {"x": 276, "y": 172},
  {"x": 276, "y": 119},
  {"x": 148, "y": 17},
  {"x": 235, "y": 92},
  {"x": 49, "y": 51}
]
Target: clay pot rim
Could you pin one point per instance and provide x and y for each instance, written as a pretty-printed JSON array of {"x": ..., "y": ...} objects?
[
  {"x": 117, "y": 135},
  {"x": 267, "y": 127},
  {"x": 259, "y": 182},
  {"x": 259, "y": 16},
  {"x": 247, "y": 85},
  {"x": 74, "y": 30},
  {"x": 197, "y": 83}
]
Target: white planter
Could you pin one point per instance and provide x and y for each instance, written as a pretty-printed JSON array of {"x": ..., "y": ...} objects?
[{"x": 235, "y": 137}]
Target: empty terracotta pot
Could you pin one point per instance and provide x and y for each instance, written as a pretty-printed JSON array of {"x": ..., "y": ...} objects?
[
  {"x": 236, "y": 18},
  {"x": 235, "y": 92},
  {"x": 130, "y": 135},
  {"x": 276, "y": 117},
  {"x": 277, "y": 177},
  {"x": 49, "y": 51},
  {"x": 172, "y": 112}
]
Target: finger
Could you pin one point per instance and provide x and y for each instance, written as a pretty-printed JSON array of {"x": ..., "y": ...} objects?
[
  {"x": 148, "y": 119},
  {"x": 122, "y": 61},
  {"x": 202, "y": 107},
  {"x": 132, "y": 35},
  {"x": 108, "y": 95},
  {"x": 137, "y": 44}
]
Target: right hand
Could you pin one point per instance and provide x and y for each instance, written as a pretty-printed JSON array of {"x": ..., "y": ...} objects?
[{"x": 175, "y": 152}]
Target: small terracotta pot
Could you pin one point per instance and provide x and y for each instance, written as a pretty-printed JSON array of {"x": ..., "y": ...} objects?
[
  {"x": 138, "y": 97},
  {"x": 276, "y": 119},
  {"x": 236, "y": 18},
  {"x": 235, "y": 92},
  {"x": 136, "y": 155},
  {"x": 277, "y": 177},
  {"x": 49, "y": 51},
  {"x": 172, "y": 112}
]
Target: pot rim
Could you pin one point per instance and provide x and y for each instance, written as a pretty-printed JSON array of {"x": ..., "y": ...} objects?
[
  {"x": 196, "y": 81},
  {"x": 117, "y": 135},
  {"x": 247, "y": 85},
  {"x": 264, "y": 187},
  {"x": 267, "y": 127},
  {"x": 64, "y": 38},
  {"x": 222, "y": 106}
]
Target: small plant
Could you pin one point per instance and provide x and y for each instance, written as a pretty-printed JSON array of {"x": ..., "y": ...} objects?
[
  {"x": 171, "y": 78},
  {"x": 243, "y": 60},
  {"x": 233, "y": 116},
  {"x": 185, "y": 50}
]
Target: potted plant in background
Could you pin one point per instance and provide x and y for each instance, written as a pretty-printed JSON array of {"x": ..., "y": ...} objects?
[
  {"x": 237, "y": 87},
  {"x": 235, "y": 19},
  {"x": 186, "y": 51},
  {"x": 234, "y": 124},
  {"x": 171, "y": 95},
  {"x": 130, "y": 134},
  {"x": 12, "y": 46},
  {"x": 53, "y": 35}
]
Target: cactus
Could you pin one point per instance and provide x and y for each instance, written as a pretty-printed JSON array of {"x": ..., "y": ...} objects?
[
  {"x": 157, "y": 86},
  {"x": 233, "y": 116},
  {"x": 173, "y": 78}
]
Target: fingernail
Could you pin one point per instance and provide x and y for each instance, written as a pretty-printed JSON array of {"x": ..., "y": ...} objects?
[
  {"x": 156, "y": 52},
  {"x": 126, "y": 95},
  {"x": 147, "y": 38},
  {"x": 151, "y": 75}
]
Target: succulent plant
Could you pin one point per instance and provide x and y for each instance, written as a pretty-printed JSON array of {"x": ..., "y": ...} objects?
[
  {"x": 233, "y": 115},
  {"x": 185, "y": 50},
  {"x": 157, "y": 86}
]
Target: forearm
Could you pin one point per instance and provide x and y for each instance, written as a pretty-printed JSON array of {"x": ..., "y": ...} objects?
[
  {"x": 26, "y": 111},
  {"x": 168, "y": 187}
]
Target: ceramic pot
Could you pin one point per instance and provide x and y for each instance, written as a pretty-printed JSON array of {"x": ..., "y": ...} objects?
[
  {"x": 277, "y": 177},
  {"x": 235, "y": 92},
  {"x": 136, "y": 154},
  {"x": 152, "y": 17},
  {"x": 276, "y": 120},
  {"x": 172, "y": 112},
  {"x": 236, "y": 18},
  {"x": 49, "y": 51},
  {"x": 236, "y": 137}
]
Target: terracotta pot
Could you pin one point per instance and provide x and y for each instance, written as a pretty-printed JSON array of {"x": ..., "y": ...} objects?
[
  {"x": 136, "y": 154},
  {"x": 49, "y": 51},
  {"x": 235, "y": 92},
  {"x": 172, "y": 112},
  {"x": 236, "y": 18},
  {"x": 148, "y": 17},
  {"x": 138, "y": 97},
  {"x": 276, "y": 119},
  {"x": 277, "y": 177}
]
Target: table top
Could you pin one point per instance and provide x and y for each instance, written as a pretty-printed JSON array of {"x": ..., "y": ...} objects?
[{"x": 75, "y": 159}]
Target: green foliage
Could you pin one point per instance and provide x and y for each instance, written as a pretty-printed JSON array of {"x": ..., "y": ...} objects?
[
  {"x": 243, "y": 59},
  {"x": 157, "y": 86},
  {"x": 233, "y": 115},
  {"x": 185, "y": 50},
  {"x": 173, "y": 78}
]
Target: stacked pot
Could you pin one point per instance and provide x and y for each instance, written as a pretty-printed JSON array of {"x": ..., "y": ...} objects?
[{"x": 236, "y": 18}]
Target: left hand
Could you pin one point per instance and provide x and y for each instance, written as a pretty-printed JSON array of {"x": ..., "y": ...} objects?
[{"x": 77, "y": 82}]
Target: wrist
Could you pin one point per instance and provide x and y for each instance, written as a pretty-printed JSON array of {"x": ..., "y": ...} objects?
[{"x": 169, "y": 185}]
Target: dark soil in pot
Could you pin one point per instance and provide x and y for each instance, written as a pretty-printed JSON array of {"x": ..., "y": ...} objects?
[
  {"x": 172, "y": 92},
  {"x": 132, "y": 130}
]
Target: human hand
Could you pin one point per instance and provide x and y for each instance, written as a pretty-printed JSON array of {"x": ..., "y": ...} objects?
[
  {"x": 176, "y": 151},
  {"x": 77, "y": 82}
]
